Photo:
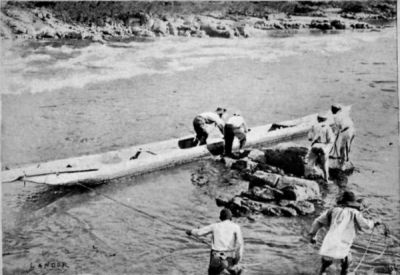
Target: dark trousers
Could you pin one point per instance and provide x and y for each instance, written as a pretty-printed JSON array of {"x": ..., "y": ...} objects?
[
  {"x": 221, "y": 263},
  {"x": 229, "y": 135},
  {"x": 199, "y": 126},
  {"x": 343, "y": 262}
]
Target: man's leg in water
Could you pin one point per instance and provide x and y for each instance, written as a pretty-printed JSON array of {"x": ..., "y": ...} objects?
[
  {"x": 345, "y": 263},
  {"x": 325, "y": 264}
]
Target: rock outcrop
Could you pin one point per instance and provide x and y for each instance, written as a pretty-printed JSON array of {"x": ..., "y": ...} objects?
[
  {"x": 280, "y": 182},
  {"x": 98, "y": 23}
]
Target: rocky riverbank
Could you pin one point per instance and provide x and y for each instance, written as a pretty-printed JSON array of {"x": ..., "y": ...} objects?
[
  {"x": 58, "y": 22},
  {"x": 280, "y": 182}
]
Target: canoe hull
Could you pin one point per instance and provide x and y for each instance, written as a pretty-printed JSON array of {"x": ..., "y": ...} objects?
[{"x": 152, "y": 157}]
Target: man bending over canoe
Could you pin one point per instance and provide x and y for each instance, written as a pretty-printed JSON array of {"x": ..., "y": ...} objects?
[
  {"x": 235, "y": 127},
  {"x": 321, "y": 137},
  {"x": 201, "y": 121},
  {"x": 226, "y": 244}
]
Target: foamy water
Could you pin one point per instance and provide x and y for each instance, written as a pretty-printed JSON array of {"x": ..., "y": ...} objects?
[{"x": 49, "y": 68}]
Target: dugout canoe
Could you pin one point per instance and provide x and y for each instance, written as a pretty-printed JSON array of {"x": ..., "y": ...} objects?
[{"x": 135, "y": 160}]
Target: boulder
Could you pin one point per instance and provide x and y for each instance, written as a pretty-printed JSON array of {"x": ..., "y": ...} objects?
[
  {"x": 278, "y": 26},
  {"x": 222, "y": 201},
  {"x": 285, "y": 181},
  {"x": 240, "y": 207},
  {"x": 276, "y": 210},
  {"x": 73, "y": 35},
  {"x": 360, "y": 25},
  {"x": 320, "y": 24},
  {"x": 198, "y": 33},
  {"x": 244, "y": 164},
  {"x": 214, "y": 30},
  {"x": 136, "y": 30},
  {"x": 270, "y": 169},
  {"x": 160, "y": 27},
  {"x": 257, "y": 156},
  {"x": 288, "y": 157},
  {"x": 298, "y": 189},
  {"x": 337, "y": 24},
  {"x": 302, "y": 207},
  {"x": 244, "y": 30},
  {"x": 173, "y": 30},
  {"x": 313, "y": 172},
  {"x": 46, "y": 32},
  {"x": 261, "y": 178},
  {"x": 260, "y": 194}
]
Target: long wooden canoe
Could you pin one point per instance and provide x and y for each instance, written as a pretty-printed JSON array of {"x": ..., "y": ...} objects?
[{"x": 149, "y": 157}]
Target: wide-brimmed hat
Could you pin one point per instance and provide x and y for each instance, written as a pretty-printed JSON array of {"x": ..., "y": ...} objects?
[
  {"x": 336, "y": 107},
  {"x": 322, "y": 117},
  {"x": 220, "y": 110},
  {"x": 348, "y": 198}
]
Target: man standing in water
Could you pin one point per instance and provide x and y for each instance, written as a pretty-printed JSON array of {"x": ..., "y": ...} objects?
[
  {"x": 235, "y": 127},
  {"x": 344, "y": 130},
  {"x": 200, "y": 124},
  {"x": 321, "y": 137},
  {"x": 226, "y": 244},
  {"x": 343, "y": 221}
]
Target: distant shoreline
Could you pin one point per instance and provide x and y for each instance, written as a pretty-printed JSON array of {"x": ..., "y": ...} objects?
[{"x": 38, "y": 22}]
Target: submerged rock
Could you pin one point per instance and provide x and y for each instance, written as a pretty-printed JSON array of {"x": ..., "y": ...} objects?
[{"x": 301, "y": 207}]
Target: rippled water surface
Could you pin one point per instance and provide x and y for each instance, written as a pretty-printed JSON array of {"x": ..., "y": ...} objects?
[{"x": 62, "y": 99}]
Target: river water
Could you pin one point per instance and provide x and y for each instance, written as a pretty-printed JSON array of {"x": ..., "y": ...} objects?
[{"x": 67, "y": 99}]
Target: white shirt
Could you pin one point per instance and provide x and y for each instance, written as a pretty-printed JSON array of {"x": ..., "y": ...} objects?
[
  {"x": 342, "y": 121},
  {"x": 226, "y": 236},
  {"x": 343, "y": 222},
  {"x": 237, "y": 122},
  {"x": 211, "y": 118},
  {"x": 321, "y": 133}
]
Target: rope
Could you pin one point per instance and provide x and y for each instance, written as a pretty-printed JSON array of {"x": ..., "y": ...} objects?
[
  {"x": 386, "y": 233},
  {"x": 143, "y": 213},
  {"x": 366, "y": 250}
]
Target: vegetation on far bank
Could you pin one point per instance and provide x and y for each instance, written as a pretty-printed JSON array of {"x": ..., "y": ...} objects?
[{"x": 155, "y": 18}]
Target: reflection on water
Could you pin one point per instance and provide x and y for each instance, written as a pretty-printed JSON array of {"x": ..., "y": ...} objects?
[{"x": 94, "y": 234}]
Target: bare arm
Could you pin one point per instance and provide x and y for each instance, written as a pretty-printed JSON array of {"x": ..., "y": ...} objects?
[
  {"x": 202, "y": 231},
  {"x": 321, "y": 221}
]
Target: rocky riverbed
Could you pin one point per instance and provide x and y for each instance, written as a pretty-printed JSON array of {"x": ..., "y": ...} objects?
[{"x": 46, "y": 22}]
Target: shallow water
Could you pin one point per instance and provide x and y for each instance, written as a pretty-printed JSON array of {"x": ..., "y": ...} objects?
[{"x": 71, "y": 100}]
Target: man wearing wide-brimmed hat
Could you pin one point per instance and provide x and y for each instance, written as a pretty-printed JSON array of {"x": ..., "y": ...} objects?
[
  {"x": 343, "y": 128},
  {"x": 201, "y": 121},
  {"x": 322, "y": 139},
  {"x": 343, "y": 221}
]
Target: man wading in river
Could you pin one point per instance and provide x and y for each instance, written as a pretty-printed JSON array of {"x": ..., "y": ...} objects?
[
  {"x": 200, "y": 124},
  {"x": 321, "y": 137},
  {"x": 344, "y": 130},
  {"x": 226, "y": 244},
  {"x": 343, "y": 221}
]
